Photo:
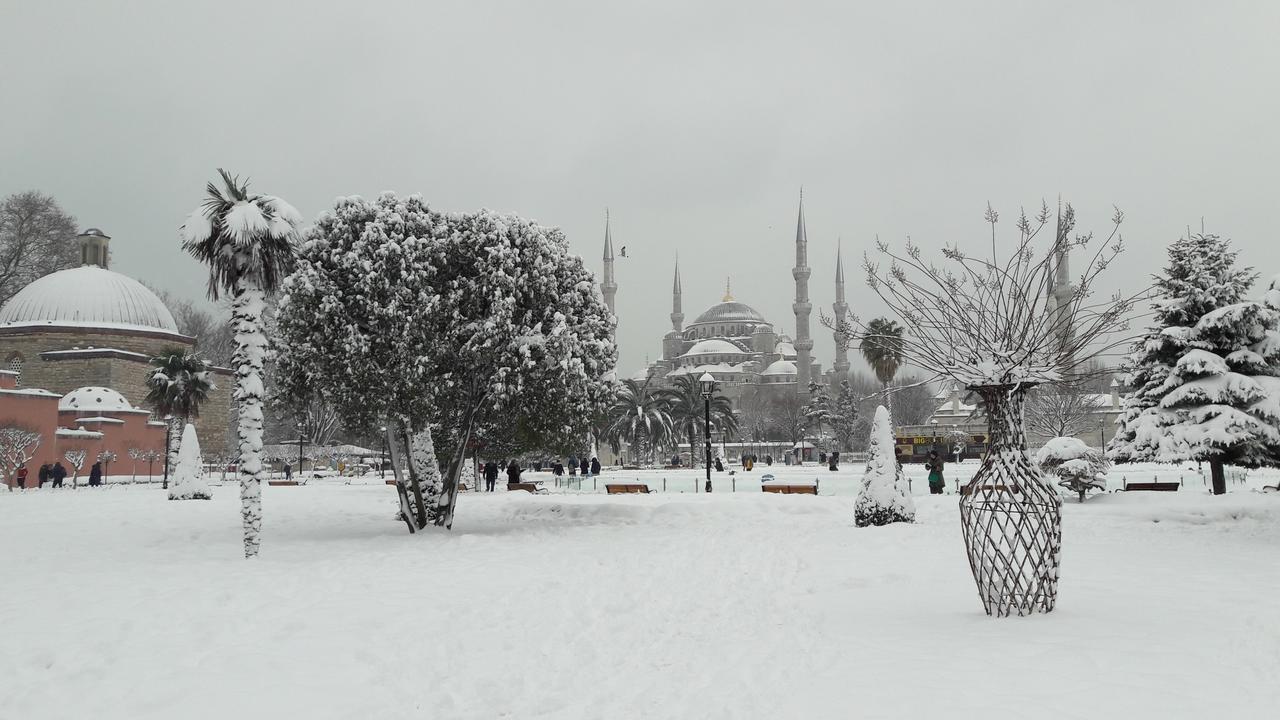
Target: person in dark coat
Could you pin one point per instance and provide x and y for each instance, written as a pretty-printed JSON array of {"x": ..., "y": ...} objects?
[
  {"x": 513, "y": 472},
  {"x": 490, "y": 475},
  {"x": 834, "y": 459},
  {"x": 95, "y": 475},
  {"x": 21, "y": 477},
  {"x": 595, "y": 466},
  {"x": 768, "y": 460},
  {"x": 934, "y": 466},
  {"x": 58, "y": 474},
  {"x": 573, "y": 464},
  {"x": 557, "y": 469},
  {"x": 719, "y": 465},
  {"x": 585, "y": 465},
  {"x": 44, "y": 474}
]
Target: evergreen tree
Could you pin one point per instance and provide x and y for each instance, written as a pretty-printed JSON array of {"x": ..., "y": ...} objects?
[
  {"x": 1200, "y": 278},
  {"x": 189, "y": 482},
  {"x": 1222, "y": 396},
  {"x": 818, "y": 411},
  {"x": 844, "y": 417},
  {"x": 884, "y": 497},
  {"x": 177, "y": 384}
]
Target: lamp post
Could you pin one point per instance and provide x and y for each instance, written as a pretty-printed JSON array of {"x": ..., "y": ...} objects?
[
  {"x": 1102, "y": 435},
  {"x": 300, "y": 444},
  {"x": 708, "y": 385},
  {"x": 168, "y": 437},
  {"x": 955, "y": 440},
  {"x": 934, "y": 423},
  {"x": 382, "y": 459}
]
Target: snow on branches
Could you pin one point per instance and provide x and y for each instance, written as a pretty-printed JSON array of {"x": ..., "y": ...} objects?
[
  {"x": 884, "y": 497},
  {"x": 1078, "y": 467}
]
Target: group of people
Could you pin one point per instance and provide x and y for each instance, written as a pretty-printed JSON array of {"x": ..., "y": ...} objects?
[
  {"x": 55, "y": 474},
  {"x": 492, "y": 469}
]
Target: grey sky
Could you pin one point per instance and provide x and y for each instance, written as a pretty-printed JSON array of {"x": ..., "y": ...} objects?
[{"x": 695, "y": 123}]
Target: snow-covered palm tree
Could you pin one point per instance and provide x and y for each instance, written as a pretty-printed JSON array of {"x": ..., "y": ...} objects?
[
  {"x": 639, "y": 417},
  {"x": 883, "y": 349},
  {"x": 248, "y": 242},
  {"x": 687, "y": 409},
  {"x": 177, "y": 385}
]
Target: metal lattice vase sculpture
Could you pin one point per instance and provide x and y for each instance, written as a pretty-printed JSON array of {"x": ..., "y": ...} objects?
[{"x": 1011, "y": 515}]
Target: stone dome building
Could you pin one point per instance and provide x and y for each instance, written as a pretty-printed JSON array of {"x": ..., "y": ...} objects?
[{"x": 93, "y": 329}]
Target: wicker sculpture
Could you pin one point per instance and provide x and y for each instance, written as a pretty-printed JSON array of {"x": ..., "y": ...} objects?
[{"x": 1001, "y": 326}]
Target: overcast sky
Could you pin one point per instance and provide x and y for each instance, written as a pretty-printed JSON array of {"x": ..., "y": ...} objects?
[{"x": 695, "y": 123}]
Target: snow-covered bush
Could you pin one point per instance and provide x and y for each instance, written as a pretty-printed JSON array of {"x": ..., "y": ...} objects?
[
  {"x": 884, "y": 497},
  {"x": 189, "y": 481},
  {"x": 1078, "y": 467}
]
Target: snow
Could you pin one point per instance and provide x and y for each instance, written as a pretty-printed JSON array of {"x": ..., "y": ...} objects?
[
  {"x": 886, "y": 496},
  {"x": 91, "y": 297},
  {"x": 189, "y": 481},
  {"x": 731, "y": 605}
]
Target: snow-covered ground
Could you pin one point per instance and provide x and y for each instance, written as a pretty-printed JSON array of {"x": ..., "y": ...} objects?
[{"x": 118, "y": 603}]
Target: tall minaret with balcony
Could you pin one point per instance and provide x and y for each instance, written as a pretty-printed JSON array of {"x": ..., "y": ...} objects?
[
  {"x": 673, "y": 342},
  {"x": 609, "y": 286},
  {"x": 802, "y": 307},
  {"x": 841, "y": 309}
]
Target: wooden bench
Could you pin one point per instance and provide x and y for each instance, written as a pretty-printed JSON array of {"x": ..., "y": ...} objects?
[
  {"x": 279, "y": 483},
  {"x": 626, "y": 488},
  {"x": 791, "y": 489},
  {"x": 526, "y": 486},
  {"x": 1151, "y": 486}
]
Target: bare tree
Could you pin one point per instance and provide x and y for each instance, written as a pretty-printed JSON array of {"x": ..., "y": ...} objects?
[
  {"x": 913, "y": 402},
  {"x": 787, "y": 417},
  {"x": 18, "y": 444},
  {"x": 76, "y": 458},
  {"x": 1001, "y": 326},
  {"x": 1060, "y": 409},
  {"x": 37, "y": 237}
]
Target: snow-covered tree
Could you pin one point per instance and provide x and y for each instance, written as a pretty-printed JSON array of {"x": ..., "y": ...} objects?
[
  {"x": 1220, "y": 400},
  {"x": 1060, "y": 409},
  {"x": 178, "y": 383},
  {"x": 18, "y": 444},
  {"x": 75, "y": 458},
  {"x": 189, "y": 481},
  {"x": 1201, "y": 277},
  {"x": 247, "y": 240},
  {"x": 885, "y": 497},
  {"x": 844, "y": 417},
  {"x": 352, "y": 330},
  {"x": 817, "y": 412},
  {"x": 1078, "y": 467}
]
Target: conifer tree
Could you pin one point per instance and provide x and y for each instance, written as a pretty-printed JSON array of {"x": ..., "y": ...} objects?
[{"x": 884, "y": 497}]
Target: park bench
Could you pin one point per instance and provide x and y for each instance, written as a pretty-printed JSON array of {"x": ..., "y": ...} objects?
[
  {"x": 282, "y": 482},
  {"x": 625, "y": 488},
  {"x": 802, "y": 489},
  {"x": 1151, "y": 486},
  {"x": 526, "y": 486}
]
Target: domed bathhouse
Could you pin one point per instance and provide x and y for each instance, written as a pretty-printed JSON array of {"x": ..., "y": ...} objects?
[{"x": 90, "y": 328}]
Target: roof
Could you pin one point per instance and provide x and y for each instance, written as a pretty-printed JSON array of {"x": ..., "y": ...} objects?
[
  {"x": 731, "y": 311},
  {"x": 714, "y": 346},
  {"x": 93, "y": 399},
  {"x": 66, "y": 432},
  {"x": 713, "y": 369},
  {"x": 785, "y": 349},
  {"x": 88, "y": 295},
  {"x": 780, "y": 367},
  {"x": 95, "y": 232},
  {"x": 99, "y": 419}
]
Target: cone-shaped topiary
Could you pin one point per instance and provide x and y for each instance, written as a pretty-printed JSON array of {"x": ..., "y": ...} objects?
[
  {"x": 884, "y": 497},
  {"x": 188, "y": 477}
]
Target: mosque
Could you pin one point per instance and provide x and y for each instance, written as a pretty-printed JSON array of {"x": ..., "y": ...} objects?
[
  {"x": 76, "y": 346},
  {"x": 734, "y": 342}
]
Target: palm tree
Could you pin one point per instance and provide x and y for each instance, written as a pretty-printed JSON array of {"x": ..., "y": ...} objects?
[
  {"x": 248, "y": 243},
  {"x": 177, "y": 384},
  {"x": 882, "y": 346},
  {"x": 639, "y": 416},
  {"x": 688, "y": 409}
]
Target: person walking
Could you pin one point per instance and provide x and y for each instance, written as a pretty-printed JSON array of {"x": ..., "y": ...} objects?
[
  {"x": 21, "y": 477},
  {"x": 719, "y": 465},
  {"x": 513, "y": 472},
  {"x": 95, "y": 474},
  {"x": 288, "y": 472},
  {"x": 490, "y": 475},
  {"x": 573, "y": 464},
  {"x": 43, "y": 475},
  {"x": 934, "y": 465},
  {"x": 557, "y": 468},
  {"x": 595, "y": 466},
  {"x": 58, "y": 474},
  {"x": 586, "y": 467}
]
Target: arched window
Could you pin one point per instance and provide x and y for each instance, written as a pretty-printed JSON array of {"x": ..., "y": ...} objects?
[{"x": 15, "y": 366}]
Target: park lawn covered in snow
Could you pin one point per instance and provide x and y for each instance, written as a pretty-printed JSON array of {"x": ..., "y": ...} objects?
[{"x": 117, "y": 603}]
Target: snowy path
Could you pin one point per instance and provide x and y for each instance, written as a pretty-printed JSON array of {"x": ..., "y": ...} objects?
[{"x": 118, "y": 603}]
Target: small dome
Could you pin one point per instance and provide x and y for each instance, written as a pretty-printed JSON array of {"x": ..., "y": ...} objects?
[
  {"x": 95, "y": 232},
  {"x": 714, "y": 346},
  {"x": 88, "y": 295},
  {"x": 780, "y": 367},
  {"x": 729, "y": 312},
  {"x": 93, "y": 399},
  {"x": 785, "y": 349}
]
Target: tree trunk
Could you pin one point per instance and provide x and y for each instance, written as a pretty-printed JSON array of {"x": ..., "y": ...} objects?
[
  {"x": 1011, "y": 516},
  {"x": 247, "y": 306},
  {"x": 1082, "y": 492},
  {"x": 397, "y": 471},
  {"x": 174, "y": 441},
  {"x": 415, "y": 485},
  {"x": 424, "y": 474},
  {"x": 693, "y": 438},
  {"x": 449, "y": 486},
  {"x": 1218, "y": 475}
]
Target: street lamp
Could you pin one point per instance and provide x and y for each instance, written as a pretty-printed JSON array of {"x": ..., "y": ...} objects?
[
  {"x": 934, "y": 423},
  {"x": 708, "y": 384},
  {"x": 955, "y": 439},
  {"x": 168, "y": 437},
  {"x": 301, "y": 441},
  {"x": 382, "y": 464},
  {"x": 1102, "y": 435}
]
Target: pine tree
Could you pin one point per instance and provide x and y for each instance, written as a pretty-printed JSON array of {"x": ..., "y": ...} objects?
[
  {"x": 1221, "y": 399},
  {"x": 189, "y": 482},
  {"x": 844, "y": 417},
  {"x": 818, "y": 411},
  {"x": 1199, "y": 279},
  {"x": 885, "y": 497}
]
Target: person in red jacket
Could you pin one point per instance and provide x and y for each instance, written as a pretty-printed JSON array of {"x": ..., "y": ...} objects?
[{"x": 21, "y": 477}]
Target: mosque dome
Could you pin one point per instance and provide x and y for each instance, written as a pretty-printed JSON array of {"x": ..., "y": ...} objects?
[
  {"x": 785, "y": 348},
  {"x": 714, "y": 346},
  {"x": 88, "y": 296},
  {"x": 93, "y": 399},
  {"x": 730, "y": 311},
  {"x": 780, "y": 367}
]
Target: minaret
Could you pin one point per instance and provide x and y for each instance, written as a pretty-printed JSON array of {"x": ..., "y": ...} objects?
[
  {"x": 841, "y": 309},
  {"x": 677, "y": 314},
  {"x": 801, "y": 306},
  {"x": 609, "y": 286}
]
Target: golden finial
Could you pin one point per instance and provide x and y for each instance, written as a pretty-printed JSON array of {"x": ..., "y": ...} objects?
[{"x": 728, "y": 293}]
